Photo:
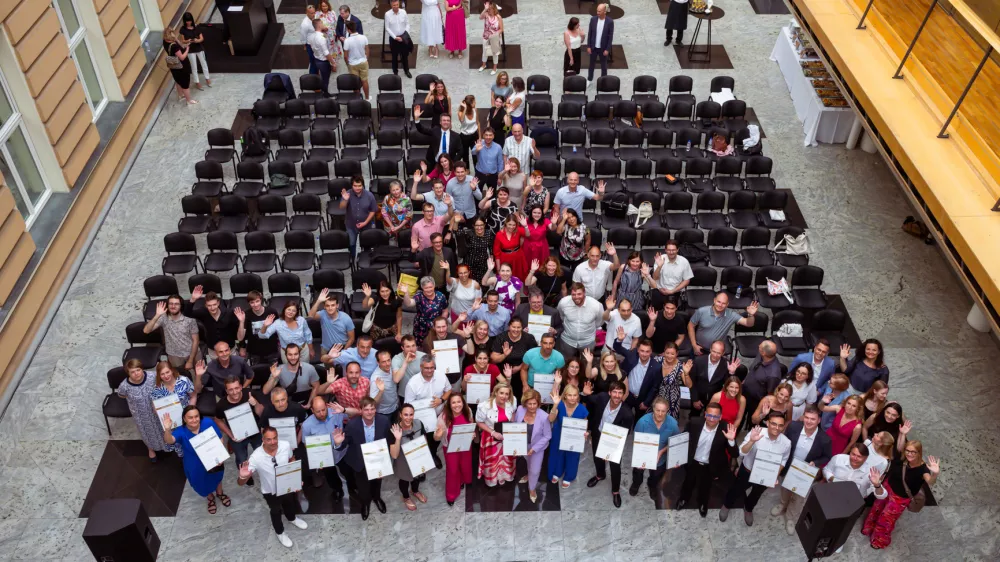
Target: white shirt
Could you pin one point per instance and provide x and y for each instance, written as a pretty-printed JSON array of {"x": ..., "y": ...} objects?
[
  {"x": 600, "y": 32},
  {"x": 468, "y": 127},
  {"x": 320, "y": 46},
  {"x": 839, "y": 468},
  {"x": 580, "y": 323},
  {"x": 609, "y": 415},
  {"x": 673, "y": 273},
  {"x": 594, "y": 279},
  {"x": 396, "y": 24},
  {"x": 712, "y": 368},
  {"x": 781, "y": 446},
  {"x": 522, "y": 151},
  {"x": 305, "y": 28},
  {"x": 704, "y": 447},
  {"x": 262, "y": 464},
  {"x": 420, "y": 389},
  {"x": 488, "y": 412},
  {"x": 632, "y": 327},
  {"x": 355, "y": 47},
  {"x": 804, "y": 444}
]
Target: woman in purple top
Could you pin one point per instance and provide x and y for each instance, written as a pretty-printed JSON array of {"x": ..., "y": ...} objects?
[
  {"x": 539, "y": 435},
  {"x": 865, "y": 370}
]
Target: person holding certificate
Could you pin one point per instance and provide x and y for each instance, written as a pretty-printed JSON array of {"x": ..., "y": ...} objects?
[
  {"x": 494, "y": 467},
  {"x": 327, "y": 420},
  {"x": 408, "y": 429},
  {"x": 281, "y": 409},
  {"x": 429, "y": 386},
  {"x": 137, "y": 390},
  {"x": 458, "y": 464},
  {"x": 606, "y": 408},
  {"x": 565, "y": 463},
  {"x": 810, "y": 445},
  {"x": 207, "y": 483},
  {"x": 249, "y": 423},
  {"x": 758, "y": 440},
  {"x": 536, "y": 307},
  {"x": 656, "y": 422},
  {"x": 509, "y": 349},
  {"x": 369, "y": 427},
  {"x": 710, "y": 446},
  {"x": 539, "y": 435},
  {"x": 265, "y": 462},
  {"x": 479, "y": 370},
  {"x": 170, "y": 382},
  {"x": 644, "y": 372},
  {"x": 541, "y": 360}
]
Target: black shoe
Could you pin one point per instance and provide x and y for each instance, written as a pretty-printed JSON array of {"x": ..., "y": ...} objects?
[
  {"x": 437, "y": 463},
  {"x": 680, "y": 504},
  {"x": 451, "y": 503},
  {"x": 593, "y": 481},
  {"x": 338, "y": 494},
  {"x": 407, "y": 73},
  {"x": 364, "y": 513},
  {"x": 616, "y": 499},
  {"x": 633, "y": 490},
  {"x": 666, "y": 43},
  {"x": 250, "y": 481},
  {"x": 680, "y": 43},
  {"x": 703, "y": 510},
  {"x": 379, "y": 504}
]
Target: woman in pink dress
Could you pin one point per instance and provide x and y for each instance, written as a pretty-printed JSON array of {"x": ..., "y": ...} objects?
[
  {"x": 455, "y": 40},
  {"x": 846, "y": 426},
  {"x": 536, "y": 245}
]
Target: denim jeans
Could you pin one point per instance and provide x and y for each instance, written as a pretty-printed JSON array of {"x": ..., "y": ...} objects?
[
  {"x": 312, "y": 60},
  {"x": 324, "y": 73},
  {"x": 242, "y": 448}
]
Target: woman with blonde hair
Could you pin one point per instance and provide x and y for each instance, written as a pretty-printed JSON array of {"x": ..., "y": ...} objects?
[
  {"x": 607, "y": 371},
  {"x": 180, "y": 69},
  {"x": 328, "y": 16},
  {"x": 564, "y": 464},
  {"x": 846, "y": 427},
  {"x": 778, "y": 401},
  {"x": 904, "y": 480},
  {"x": 492, "y": 31},
  {"x": 880, "y": 450},
  {"x": 169, "y": 381},
  {"x": 539, "y": 435},
  {"x": 874, "y": 399},
  {"x": 494, "y": 467}
]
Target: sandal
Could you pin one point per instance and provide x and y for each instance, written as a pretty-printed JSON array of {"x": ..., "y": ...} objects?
[
  {"x": 211, "y": 506},
  {"x": 532, "y": 496},
  {"x": 555, "y": 480},
  {"x": 565, "y": 485},
  {"x": 420, "y": 497},
  {"x": 523, "y": 480},
  {"x": 409, "y": 504},
  {"x": 224, "y": 499}
]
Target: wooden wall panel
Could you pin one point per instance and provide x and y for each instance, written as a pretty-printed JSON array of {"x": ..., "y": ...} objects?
[
  {"x": 45, "y": 66},
  {"x": 23, "y": 18},
  {"x": 87, "y": 145},
  {"x": 54, "y": 92},
  {"x": 6, "y": 7},
  {"x": 124, "y": 55},
  {"x": 60, "y": 119},
  {"x": 31, "y": 46},
  {"x": 110, "y": 14},
  {"x": 74, "y": 131},
  {"x": 131, "y": 73},
  {"x": 99, "y": 4},
  {"x": 168, "y": 10},
  {"x": 120, "y": 31},
  {"x": 16, "y": 246}
]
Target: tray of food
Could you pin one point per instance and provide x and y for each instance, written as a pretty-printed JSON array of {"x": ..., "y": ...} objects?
[
  {"x": 698, "y": 6},
  {"x": 816, "y": 73},
  {"x": 811, "y": 64},
  {"x": 834, "y": 102},
  {"x": 828, "y": 93},
  {"x": 820, "y": 83}
]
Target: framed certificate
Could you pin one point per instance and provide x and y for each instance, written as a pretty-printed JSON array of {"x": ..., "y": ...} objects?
[
  {"x": 319, "y": 451},
  {"x": 543, "y": 385},
  {"x": 677, "y": 450},
  {"x": 766, "y": 466},
  {"x": 169, "y": 405},
  {"x": 515, "y": 439},
  {"x": 241, "y": 421},
  {"x": 645, "y": 450},
  {"x": 799, "y": 478},
  {"x": 461, "y": 437},
  {"x": 288, "y": 478},
  {"x": 377, "y": 461},
  {"x": 477, "y": 389},
  {"x": 612, "y": 443},
  {"x": 209, "y": 449},
  {"x": 572, "y": 437},
  {"x": 286, "y": 430},
  {"x": 446, "y": 357},
  {"x": 418, "y": 455},
  {"x": 428, "y": 416},
  {"x": 538, "y": 326}
]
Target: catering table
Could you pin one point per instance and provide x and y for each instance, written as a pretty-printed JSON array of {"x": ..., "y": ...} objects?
[{"x": 829, "y": 125}]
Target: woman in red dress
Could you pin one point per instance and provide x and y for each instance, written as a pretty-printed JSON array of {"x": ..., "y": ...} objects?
[
  {"x": 507, "y": 247},
  {"x": 536, "y": 244},
  {"x": 846, "y": 426}
]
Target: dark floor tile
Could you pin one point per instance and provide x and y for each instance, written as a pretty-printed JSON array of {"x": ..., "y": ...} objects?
[
  {"x": 769, "y": 7},
  {"x": 719, "y": 59},
  {"x": 242, "y": 122},
  {"x": 291, "y": 57},
  {"x": 670, "y": 491},
  {"x": 321, "y": 500},
  {"x": 125, "y": 472},
  {"x": 511, "y": 496},
  {"x": 220, "y": 60},
  {"x": 616, "y": 61},
  {"x": 510, "y": 58},
  {"x": 835, "y": 302}
]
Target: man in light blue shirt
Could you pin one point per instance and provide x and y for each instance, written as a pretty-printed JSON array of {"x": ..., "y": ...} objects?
[
  {"x": 326, "y": 420},
  {"x": 464, "y": 191},
  {"x": 489, "y": 161},
  {"x": 572, "y": 196},
  {"x": 386, "y": 398},
  {"x": 363, "y": 355},
  {"x": 496, "y": 316},
  {"x": 543, "y": 360},
  {"x": 406, "y": 363},
  {"x": 337, "y": 327}
]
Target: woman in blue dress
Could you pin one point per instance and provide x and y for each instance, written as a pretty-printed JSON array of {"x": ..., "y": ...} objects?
[
  {"x": 207, "y": 483},
  {"x": 564, "y": 464},
  {"x": 169, "y": 381}
]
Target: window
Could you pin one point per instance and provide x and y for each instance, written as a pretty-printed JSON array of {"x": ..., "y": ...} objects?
[
  {"x": 140, "y": 18},
  {"x": 80, "y": 52},
  {"x": 18, "y": 163}
]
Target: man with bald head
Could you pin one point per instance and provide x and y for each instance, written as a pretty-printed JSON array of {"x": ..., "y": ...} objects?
[
  {"x": 712, "y": 323},
  {"x": 763, "y": 376},
  {"x": 519, "y": 146},
  {"x": 572, "y": 196},
  {"x": 326, "y": 419}
]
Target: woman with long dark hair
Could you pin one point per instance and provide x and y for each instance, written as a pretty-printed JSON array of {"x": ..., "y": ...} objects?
[
  {"x": 388, "y": 320},
  {"x": 207, "y": 483},
  {"x": 468, "y": 126},
  {"x": 194, "y": 38},
  {"x": 458, "y": 465},
  {"x": 408, "y": 429},
  {"x": 573, "y": 38},
  {"x": 889, "y": 419},
  {"x": 575, "y": 239},
  {"x": 536, "y": 242},
  {"x": 865, "y": 368},
  {"x": 549, "y": 279},
  {"x": 875, "y": 399}
]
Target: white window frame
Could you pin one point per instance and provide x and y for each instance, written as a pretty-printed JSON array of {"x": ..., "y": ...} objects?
[
  {"x": 14, "y": 123},
  {"x": 74, "y": 41},
  {"x": 145, "y": 20}
]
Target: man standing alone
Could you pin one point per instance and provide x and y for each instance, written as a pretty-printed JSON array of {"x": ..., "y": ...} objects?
[{"x": 602, "y": 32}]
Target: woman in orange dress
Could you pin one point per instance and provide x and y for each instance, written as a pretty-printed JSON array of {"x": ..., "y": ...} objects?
[{"x": 507, "y": 247}]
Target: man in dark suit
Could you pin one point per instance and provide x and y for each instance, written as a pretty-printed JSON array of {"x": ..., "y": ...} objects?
[
  {"x": 425, "y": 260},
  {"x": 645, "y": 382},
  {"x": 811, "y": 445},
  {"x": 604, "y": 408},
  {"x": 709, "y": 374},
  {"x": 708, "y": 445},
  {"x": 443, "y": 139},
  {"x": 370, "y": 426},
  {"x": 602, "y": 32}
]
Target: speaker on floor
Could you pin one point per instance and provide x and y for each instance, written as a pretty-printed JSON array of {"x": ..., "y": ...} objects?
[
  {"x": 120, "y": 531},
  {"x": 831, "y": 509}
]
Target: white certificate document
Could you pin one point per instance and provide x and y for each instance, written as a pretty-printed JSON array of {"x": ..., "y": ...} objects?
[
  {"x": 677, "y": 450},
  {"x": 685, "y": 393},
  {"x": 241, "y": 421},
  {"x": 538, "y": 326},
  {"x": 288, "y": 477},
  {"x": 461, "y": 437},
  {"x": 612, "y": 443},
  {"x": 319, "y": 451},
  {"x": 515, "y": 439},
  {"x": 766, "y": 466},
  {"x": 209, "y": 448},
  {"x": 543, "y": 385},
  {"x": 418, "y": 455},
  {"x": 286, "y": 430},
  {"x": 645, "y": 450},
  {"x": 446, "y": 357},
  {"x": 800, "y": 477},
  {"x": 377, "y": 461},
  {"x": 477, "y": 389},
  {"x": 571, "y": 438},
  {"x": 428, "y": 416},
  {"x": 169, "y": 404}
]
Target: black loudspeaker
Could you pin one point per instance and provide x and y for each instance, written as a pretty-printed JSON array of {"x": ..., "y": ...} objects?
[
  {"x": 830, "y": 512},
  {"x": 120, "y": 531}
]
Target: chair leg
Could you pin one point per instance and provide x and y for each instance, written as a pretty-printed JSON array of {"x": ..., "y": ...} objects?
[{"x": 107, "y": 423}]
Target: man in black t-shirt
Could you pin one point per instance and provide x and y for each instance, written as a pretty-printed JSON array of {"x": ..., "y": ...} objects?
[
  {"x": 667, "y": 327},
  {"x": 236, "y": 395},
  {"x": 255, "y": 348},
  {"x": 282, "y": 407}
]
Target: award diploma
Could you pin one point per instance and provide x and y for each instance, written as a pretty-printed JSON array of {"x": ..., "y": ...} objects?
[
  {"x": 286, "y": 430},
  {"x": 800, "y": 477},
  {"x": 461, "y": 437},
  {"x": 477, "y": 389},
  {"x": 572, "y": 438},
  {"x": 677, "y": 450},
  {"x": 766, "y": 466},
  {"x": 612, "y": 443},
  {"x": 538, "y": 326},
  {"x": 418, "y": 455},
  {"x": 169, "y": 404},
  {"x": 209, "y": 448},
  {"x": 241, "y": 421},
  {"x": 319, "y": 450},
  {"x": 377, "y": 461},
  {"x": 543, "y": 385},
  {"x": 427, "y": 415},
  {"x": 446, "y": 357},
  {"x": 288, "y": 478},
  {"x": 645, "y": 450},
  {"x": 515, "y": 439}
]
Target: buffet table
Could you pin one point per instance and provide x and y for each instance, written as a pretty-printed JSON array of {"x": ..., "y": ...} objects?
[{"x": 830, "y": 125}]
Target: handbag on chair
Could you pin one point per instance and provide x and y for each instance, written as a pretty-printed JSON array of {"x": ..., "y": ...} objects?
[{"x": 794, "y": 245}]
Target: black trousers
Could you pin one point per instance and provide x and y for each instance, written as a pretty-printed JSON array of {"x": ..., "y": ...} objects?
[
  {"x": 571, "y": 69},
  {"x": 655, "y": 476},
  {"x": 594, "y": 56},
  {"x": 332, "y": 477},
  {"x": 739, "y": 488},
  {"x": 486, "y": 180},
  {"x": 400, "y": 51},
  {"x": 412, "y": 486},
  {"x": 277, "y": 504},
  {"x": 367, "y": 489},
  {"x": 680, "y": 35},
  {"x": 468, "y": 143},
  {"x": 697, "y": 477},
  {"x": 616, "y": 468}
]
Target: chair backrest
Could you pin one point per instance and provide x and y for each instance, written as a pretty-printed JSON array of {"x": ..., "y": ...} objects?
[
  {"x": 759, "y": 165},
  {"x": 623, "y": 236},
  {"x": 609, "y": 84},
  {"x": 654, "y": 237},
  {"x": 334, "y": 240},
  {"x": 631, "y": 136},
  {"x": 390, "y": 83},
  {"x": 548, "y": 167},
  {"x": 296, "y": 108},
  {"x": 574, "y": 84},
  {"x": 221, "y": 137},
  {"x": 390, "y": 138},
  {"x": 284, "y": 283},
  {"x": 742, "y": 201},
  {"x": 626, "y": 109},
  {"x": 786, "y": 316},
  {"x": 772, "y": 272},
  {"x": 243, "y": 283},
  {"x": 720, "y": 82},
  {"x": 355, "y": 137},
  {"x": 679, "y": 201},
  {"x": 729, "y": 165},
  {"x": 279, "y": 167},
  {"x": 723, "y": 237},
  {"x": 310, "y": 83},
  {"x": 160, "y": 286},
  {"x": 331, "y": 279},
  {"x": 708, "y": 110},
  {"x": 638, "y": 167},
  {"x": 711, "y": 201},
  {"x": 299, "y": 240},
  {"x": 756, "y": 236},
  {"x": 653, "y": 110},
  {"x": 179, "y": 242},
  {"x": 370, "y": 276},
  {"x": 291, "y": 138},
  {"x": 688, "y": 135},
  {"x": 698, "y": 167},
  {"x": 734, "y": 109},
  {"x": 644, "y": 84},
  {"x": 422, "y": 83},
  {"x": 603, "y": 137},
  {"x": 384, "y": 167},
  {"x": 116, "y": 376},
  {"x": 348, "y": 83},
  {"x": 306, "y": 203},
  {"x": 233, "y": 205},
  {"x": 574, "y": 136},
  {"x": 135, "y": 334},
  {"x": 807, "y": 276},
  {"x": 760, "y": 322},
  {"x": 774, "y": 199},
  {"x": 540, "y": 109},
  {"x": 538, "y": 84},
  {"x": 690, "y": 236},
  {"x": 206, "y": 170},
  {"x": 828, "y": 320},
  {"x": 680, "y": 84},
  {"x": 661, "y": 138},
  {"x": 608, "y": 167},
  {"x": 669, "y": 165},
  {"x": 570, "y": 110},
  {"x": 259, "y": 241},
  {"x": 580, "y": 165},
  {"x": 271, "y": 204},
  {"x": 373, "y": 238},
  {"x": 346, "y": 168},
  {"x": 196, "y": 205},
  {"x": 703, "y": 276},
  {"x": 323, "y": 137},
  {"x": 392, "y": 109},
  {"x": 314, "y": 169},
  {"x": 327, "y": 107},
  {"x": 223, "y": 241},
  {"x": 736, "y": 275},
  {"x": 358, "y": 109},
  {"x": 210, "y": 283}
]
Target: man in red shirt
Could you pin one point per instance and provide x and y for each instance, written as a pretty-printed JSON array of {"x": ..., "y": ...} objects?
[{"x": 349, "y": 389}]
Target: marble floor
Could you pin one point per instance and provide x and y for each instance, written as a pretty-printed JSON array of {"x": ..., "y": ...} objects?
[{"x": 895, "y": 288}]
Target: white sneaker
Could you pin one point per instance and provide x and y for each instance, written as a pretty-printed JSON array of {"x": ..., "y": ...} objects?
[
  {"x": 284, "y": 540},
  {"x": 299, "y": 523},
  {"x": 778, "y": 509},
  {"x": 493, "y": 72}
]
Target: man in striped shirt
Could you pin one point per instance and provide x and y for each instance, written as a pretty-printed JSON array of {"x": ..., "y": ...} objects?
[{"x": 520, "y": 147}]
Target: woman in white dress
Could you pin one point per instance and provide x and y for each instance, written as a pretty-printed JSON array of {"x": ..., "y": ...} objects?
[{"x": 431, "y": 27}]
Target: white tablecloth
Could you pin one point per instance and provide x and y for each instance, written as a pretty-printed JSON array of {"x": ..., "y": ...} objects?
[{"x": 829, "y": 125}]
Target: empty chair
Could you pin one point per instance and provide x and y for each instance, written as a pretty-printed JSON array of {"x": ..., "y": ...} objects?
[
  {"x": 625, "y": 114},
  {"x": 828, "y": 324},
  {"x": 774, "y": 273},
  {"x": 539, "y": 115},
  {"x": 698, "y": 175},
  {"x": 390, "y": 145},
  {"x": 733, "y": 115},
  {"x": 221, "y": 147},
  {"x": 334, "y": 247},
  {"x": 197, "y": 217},
  {"x": 181, "y": 255},
  {"x": 147, "y": 348},
  {"x": 330, "y": 279},
  {"x": 250, "y": 181},
  {"x": 644, "y": 89},
  {"x": 677, "y": 210},
  {"x": 310, "y": 88},
  {"x": 114, "y": 406},
  {"x": 653, "y": 114},
  {"x": 710, "y": 206},
  {"x": 623, "y": 239},
  {"x": 547, "y": 143},
  {"x": 659, "y": 143},
  {"x": 758, "y": 174},
  {"x": 748, "y": 339},
  {"x": 602, "y": 144},
  {"x": 575, "y": 89},
  {"x": 357, "y": 145},
  {"x": 743, "y": 209},
  {"x": 775, "y": 200},
  {"x": 569, "y": 114},
  {"x": 638, "y": 172},
  {"x": 701, "y": 290},
  {"x": 284, "y": 288},
  {"x": 272, "y": 213},
  {"x": 392, "y": 116},
  {"x": 297, "y": 115},
  {"x": 679, "y": 113},
  {"x": 782, "y": 255},
  {"x": 722, "y": 247},
  {"x": 300, "y": 251},
  {"x": 291, "y": 146},
  {"x": 223, "y": 252},
  {"x": 789, "y": 346},
  {"x": 573, "y": 143},
  {"x": 359, "y": 115},
  {"x": 322, "y": 146},
  {"x": 209, "y": 180},
  {"x": 669, "y": 167},
  {"x": 348, "y": 89},
  {"x": 538, "y": 88},
  {"x": 806, "y": 285},
  {"x": 157, "y": 288},
  {"x": 234, "y": 215},
  {"x": 688, "y": 143},
  {"x": 599, "y": 115},
  {"x": 307, "y": 213},
  {"x": 720, "y": 82},
  {"x": 267, "y": 116},
  {"x": 727, "y": 174},
  {"x": 315, "y": 177},
  {"x": 609, "y": 89},
  {"x": 327, "y": 115},
  {"x": 754, "y": 247},
  {"x": 262, "y": 252},
  {"x": 738, "y": 280},
  {"x": 679, "y": 89},
  {"x": 707, "y": 114},
  {"x": 630, "y": 143}
]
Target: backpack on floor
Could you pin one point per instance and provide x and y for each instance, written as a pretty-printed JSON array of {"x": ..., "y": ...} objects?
[{"x": 254, "y": 143}]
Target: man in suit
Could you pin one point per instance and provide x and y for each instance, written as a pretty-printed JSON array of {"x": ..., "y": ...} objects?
[
  {"x": 370, "y": 426},
  {"x": 602, "y": 32},
  {"x": 709, "y": 374},
  {"x": 604, "y": 408},
  {"x": 823, "y": 366},
  {"x": 427, "y": 258},
  {"x": 810, "y": 445},
  {"x": 443, "y": 139},
  {"x": 707, "y": 459},
  {"x": 644, "y": 373}
]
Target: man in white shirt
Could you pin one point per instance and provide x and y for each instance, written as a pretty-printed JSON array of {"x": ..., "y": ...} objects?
[
  {"x": 623, "y": 318},
  {"x": 397, "y": 26},
  {"x": 519, "y": 146},
  {"x": 356, "y": 54},
  {"x": 672, "y": 274},
  {"x": 581, "y": 315},
  {"x": 321, "y": 54},
  {"x": 595, "y": 272},
  {"x": 306, "y": 28},
  {"x": 264, "y": 462},
  {"x": 772, "y": 441},
  {"x": 432, "y": 386},
  {"x": 406, "y": 363},
  {"x": 853, "y": 467}
]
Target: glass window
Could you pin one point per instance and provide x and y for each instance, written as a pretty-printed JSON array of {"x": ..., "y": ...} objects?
[
  {"x": 6, "y": 110},
  {"x": 15, "y": 187},
  {"x": 80, "y": 51},
  {"x": 17, "y": 160},
  {"x": 88, "y": 74},
  {"x": 68, "y": 12},
  {"x": 140, "y": 17},
  {"x": 24, "y": 161}
]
